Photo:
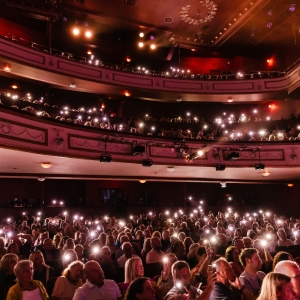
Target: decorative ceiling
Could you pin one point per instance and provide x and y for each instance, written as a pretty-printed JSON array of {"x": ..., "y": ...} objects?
[{"x": 234, "y": 27}]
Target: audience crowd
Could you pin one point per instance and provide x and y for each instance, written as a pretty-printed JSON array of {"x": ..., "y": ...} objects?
[
  {"x": 151, "y": 256},
  {"x": 218, "y": 130}
]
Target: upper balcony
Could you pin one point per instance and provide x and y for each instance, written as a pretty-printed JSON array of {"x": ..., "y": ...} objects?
[{"x": 64, "y": 71}]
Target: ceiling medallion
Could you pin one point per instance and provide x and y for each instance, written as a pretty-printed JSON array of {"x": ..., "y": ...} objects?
[{"x": 212, "y": 10}]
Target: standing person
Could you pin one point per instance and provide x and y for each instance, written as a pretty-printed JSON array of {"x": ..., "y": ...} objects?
[
  {"x": 96, "y": 286},
  {"x": 26, "y": 287},
  {"x": 252, "y": 277}
]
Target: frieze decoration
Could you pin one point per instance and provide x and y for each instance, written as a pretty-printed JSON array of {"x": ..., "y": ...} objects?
[
  {"x": 265, "y": 154},
  {"x": 293, "y": 155},
  {"x": 22, "y": 132},
  {"x": 82, "y": 143},
  {"x": 58, "y": 140}
]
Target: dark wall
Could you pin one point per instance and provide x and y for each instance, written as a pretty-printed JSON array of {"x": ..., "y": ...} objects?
[{"x": 277, "y": 197}]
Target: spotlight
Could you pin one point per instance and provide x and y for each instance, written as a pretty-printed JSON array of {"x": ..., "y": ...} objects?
[
  {"x": 233, "y": 156},
  {"x": 220, "y": 167},
  {"x": 147, "y": 162},
  {"x": 105, "y": 158},
  {"x": 138, "y": 150},
  {"x": 259, "y": 166},
  {"x": 76, "y": 31},
  {"x": 88, "y": 34},
  {"x": 223, "y": 184}
]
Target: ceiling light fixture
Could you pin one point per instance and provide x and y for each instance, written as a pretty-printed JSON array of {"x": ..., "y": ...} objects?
[
  {"x": 266, "y": 173},
  {"x": 46, "y": 165},
  {"x": 170, "y": 169},
  {"x": 142, "y": 181},
  {"x": 6, "y": 67},
  {"x": 76, "y": 31},
  {"x": 292, "y": 7},
  {"x": 88, "y": 34}
]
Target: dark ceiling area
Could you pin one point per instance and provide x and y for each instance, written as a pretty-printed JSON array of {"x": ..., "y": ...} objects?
[{"x": 255, "y": 28}]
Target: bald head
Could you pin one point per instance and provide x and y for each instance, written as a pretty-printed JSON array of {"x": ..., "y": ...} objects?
[
  {"x": 290, "y": 269},
  {"x": 286, "y": 267},
  {"x": 90, "y": 265},
  {"x": 94, "y": 272}
]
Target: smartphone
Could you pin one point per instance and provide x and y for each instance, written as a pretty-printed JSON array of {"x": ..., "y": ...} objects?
[
  {"x": 165, "y": 263},
  {"x": 214, "y": 268}
]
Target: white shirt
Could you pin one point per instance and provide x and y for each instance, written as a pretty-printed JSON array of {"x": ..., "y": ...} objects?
[
  {"x": 32, "y": 295},
  {"x": 108, "y": 291},
  {"x": 122, "y": 261}
]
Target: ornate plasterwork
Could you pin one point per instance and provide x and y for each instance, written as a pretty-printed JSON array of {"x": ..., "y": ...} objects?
[{"x": 212, "y": 10}]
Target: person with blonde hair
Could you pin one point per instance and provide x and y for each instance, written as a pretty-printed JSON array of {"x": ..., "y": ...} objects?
[
  {"x": 134, "y": 269},
  {"x": 277, "y": 286},
  {"x": 66, "y": 285},
  {"x": 42, "y": 272},
  {"x": 7, "y": 276},
  {"x": 26, "y": 287}
]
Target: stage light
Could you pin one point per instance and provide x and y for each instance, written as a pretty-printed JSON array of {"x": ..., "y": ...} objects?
[
  {"x": 88, "y": 34},
  {"x": 105, "y": 158},
  {"x": 259, "y": 166},
  {"x": 138, "y": 150},
  {"x": 147, "y": 162},
  {"x": 76, "y": 31},
  {"x": 220, "y": 167},
  {"x": 233, "y": 156}
]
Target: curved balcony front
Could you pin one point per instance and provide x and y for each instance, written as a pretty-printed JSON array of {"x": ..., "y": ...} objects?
[{"x": 63, "y": 72}]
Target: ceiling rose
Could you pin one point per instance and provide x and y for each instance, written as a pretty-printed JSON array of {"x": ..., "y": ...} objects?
[{"x": 212, "y": 10}]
